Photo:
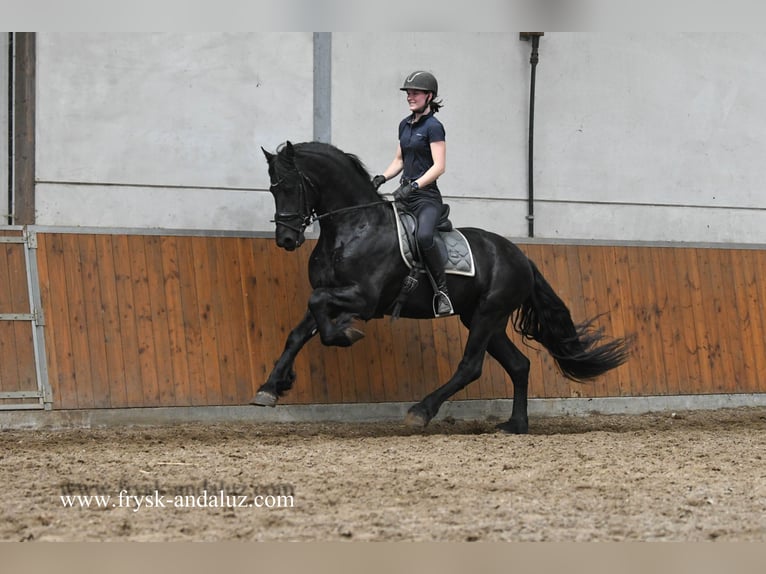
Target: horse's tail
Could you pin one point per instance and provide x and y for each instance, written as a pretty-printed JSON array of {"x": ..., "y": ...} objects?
[{"x": 580, "y": 351}]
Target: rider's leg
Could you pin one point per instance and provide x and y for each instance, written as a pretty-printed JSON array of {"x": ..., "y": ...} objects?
[{"x": 428, "y": 217}]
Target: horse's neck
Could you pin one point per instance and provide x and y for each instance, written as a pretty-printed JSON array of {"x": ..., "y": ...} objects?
[{"x": 335, "y": 195}]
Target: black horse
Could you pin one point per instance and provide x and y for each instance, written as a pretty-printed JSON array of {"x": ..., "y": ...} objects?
[{"x": 356, "y": 272}]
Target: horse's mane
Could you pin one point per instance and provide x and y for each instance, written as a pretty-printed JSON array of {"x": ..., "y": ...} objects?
[
  {"x": 325, "y": 149},
  {"x": 324, "y": 152}
]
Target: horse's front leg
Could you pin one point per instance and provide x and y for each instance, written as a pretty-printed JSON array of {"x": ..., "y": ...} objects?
[
  {"x": 335, "y": 308},
  {"x": 282, "y": 375}
]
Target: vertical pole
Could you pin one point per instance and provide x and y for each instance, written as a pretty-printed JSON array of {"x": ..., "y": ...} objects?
[
  {"x": 533, "y": 59},
  {"x": 24, "y": 47},
  {"x": 322, "y": 86}
]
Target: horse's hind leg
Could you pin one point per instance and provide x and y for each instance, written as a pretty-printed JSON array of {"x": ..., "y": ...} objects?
[
  {"x": 282, "y": 375},
  {"x": 484, "y": 327},
  {"x": 517, "y": 366}
]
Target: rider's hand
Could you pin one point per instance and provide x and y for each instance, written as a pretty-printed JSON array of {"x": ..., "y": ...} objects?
[
  {"x": 378, "y": 180},
  {"x": 404, "y": 191}
]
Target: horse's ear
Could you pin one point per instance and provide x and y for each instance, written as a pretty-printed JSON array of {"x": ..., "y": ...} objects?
[
  {"x": 269, "y": 156},
  {"x": 290, "y": 152}
]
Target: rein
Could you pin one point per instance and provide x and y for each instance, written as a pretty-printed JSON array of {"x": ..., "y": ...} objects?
[
  {"x": 307, "y": 215},
  {"x": 316, "y": 217}
]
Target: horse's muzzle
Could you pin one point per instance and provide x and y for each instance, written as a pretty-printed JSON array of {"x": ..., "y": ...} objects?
[{"x": 288, "y": 242}]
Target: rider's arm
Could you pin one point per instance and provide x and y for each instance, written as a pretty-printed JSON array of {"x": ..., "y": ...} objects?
[
  {"x": 396, "y": 165},
  {"x": 439, "y": 155}
]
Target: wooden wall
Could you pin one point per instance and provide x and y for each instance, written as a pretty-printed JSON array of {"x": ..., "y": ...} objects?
[
  {"x": 138, "y": 321},
  {"x": 17, "y": 360}
]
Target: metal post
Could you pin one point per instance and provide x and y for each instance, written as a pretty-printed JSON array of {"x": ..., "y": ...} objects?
[{"x": 533, "y": 59}]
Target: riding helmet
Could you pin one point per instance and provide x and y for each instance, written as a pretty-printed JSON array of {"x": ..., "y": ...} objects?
[{"x": 421, "y": 80}]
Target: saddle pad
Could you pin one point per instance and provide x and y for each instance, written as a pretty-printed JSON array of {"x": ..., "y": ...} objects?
[{"x": 459, "y": 255}]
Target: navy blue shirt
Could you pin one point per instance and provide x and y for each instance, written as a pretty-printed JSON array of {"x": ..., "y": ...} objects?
[{"x": 415, "y": 140}]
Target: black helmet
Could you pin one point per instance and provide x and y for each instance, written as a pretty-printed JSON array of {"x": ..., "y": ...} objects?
[{"x": 421, "y": 80}]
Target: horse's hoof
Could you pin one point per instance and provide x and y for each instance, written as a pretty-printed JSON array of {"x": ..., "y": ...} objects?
[
  {"x": 513, "y": 427},
  {"x": 264, "y": 399},
  {"x": 353, "y": 334},
  {"x": 416, "y": 417},
  {"x": 414, "y": 420}
]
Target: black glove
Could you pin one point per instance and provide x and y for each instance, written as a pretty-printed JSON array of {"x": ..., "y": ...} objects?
[
  {"x": 405, "y": 190},
  {"x": 378, "y": 180}
]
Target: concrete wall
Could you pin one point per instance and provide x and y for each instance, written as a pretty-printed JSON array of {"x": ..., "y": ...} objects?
[
  {"x": 653, "y": 137},
  {"x": 4, "y": 78},
  {"x": 163, "y": 130}
]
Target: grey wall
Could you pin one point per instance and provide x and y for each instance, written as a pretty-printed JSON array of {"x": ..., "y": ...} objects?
[
  {"x": 163, "y": 130},
  {"x": 4, "y": 39},
  {"x": 655, "y": 137}
]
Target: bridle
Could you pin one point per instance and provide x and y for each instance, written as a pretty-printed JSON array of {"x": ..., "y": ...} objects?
[{"x": 307, "y": 214}]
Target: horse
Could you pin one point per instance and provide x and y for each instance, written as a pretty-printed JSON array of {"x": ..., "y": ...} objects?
[{"x": 356, "y": 272}]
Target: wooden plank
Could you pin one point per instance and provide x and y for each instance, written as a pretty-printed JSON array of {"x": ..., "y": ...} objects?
[
  {"x": 258, "y": 311},
  {"x": 624, "y": 312},
  {"x": 9, "y": 367},
  {"x": 670, "y": 316},
  {"x": 230, "y": 299},
  {"x": 179, "y": 364},
  {"x": 95, "y": 335},
  {"x": 78, "y": 324},
  {"x": 299, "y": 307},
  {"x": 565, "y": 287},
  {"x": 758, "y": 261},
  {"x": 129, "y": 338},
  {"x": 712, "y": 306},
  {"x": 371, "y": 389},
  {"x": 429, "y": 358},
  {"x": 408, "y": 379},
  {"x": 730, "y": 327},
  {"x": 540, "y": 382},
  {"x": 387, "y": 387},
  {"x": 606, "y": 275},
  {"x": 751, "y": 268},
  {"x": 234, "y": 313},
  {"x": 612, "y": 307},
  {"x": 159, "y": 321},
  {"x": 653, "y": 317},
  {"x": 687, "y": 347},
  {"x": 703, "y": 353},
  {"x": 591, "y": 298},
  {"x": 218, "y": 317},
  {"x": 311, "y": 378},
  {"x": 115, "y": 361},
  {"x": 61, "y": 370},
  {"x": 209, "y": 340},
  {"x": 143, "y": 314},
  {"x": 742, "y": 320},
  {"x": 192, "y": 325}
]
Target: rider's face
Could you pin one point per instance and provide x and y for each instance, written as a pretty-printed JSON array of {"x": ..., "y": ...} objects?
[{"x": 417, "y": 99}]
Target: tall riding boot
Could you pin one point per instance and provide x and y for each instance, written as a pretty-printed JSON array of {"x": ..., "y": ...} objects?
[{"x": 432, "y": 257}]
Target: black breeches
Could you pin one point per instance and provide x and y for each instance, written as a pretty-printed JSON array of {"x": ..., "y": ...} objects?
[{"x": 428, "y": 214}]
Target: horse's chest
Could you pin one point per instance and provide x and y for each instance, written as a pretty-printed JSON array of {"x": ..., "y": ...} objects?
[{"x": 344, "y": 257}]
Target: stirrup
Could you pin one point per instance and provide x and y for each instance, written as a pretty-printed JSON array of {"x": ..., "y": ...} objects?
[{"x": 442, "y": 298}]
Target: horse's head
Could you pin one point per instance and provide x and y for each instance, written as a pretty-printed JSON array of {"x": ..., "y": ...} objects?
[{"x": 290, "y": 189}]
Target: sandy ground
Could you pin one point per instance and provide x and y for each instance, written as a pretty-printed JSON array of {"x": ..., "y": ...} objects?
[{"x": 694, "y": 476}]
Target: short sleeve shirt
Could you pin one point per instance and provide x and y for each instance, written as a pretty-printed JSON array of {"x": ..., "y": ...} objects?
[{"x": 415, "y": 140}]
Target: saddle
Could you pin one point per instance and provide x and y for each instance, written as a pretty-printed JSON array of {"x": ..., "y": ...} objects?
[{"x": 456, "y": 251}]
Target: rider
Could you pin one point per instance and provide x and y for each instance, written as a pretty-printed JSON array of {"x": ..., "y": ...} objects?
[{"x": 421, "y": 158}]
